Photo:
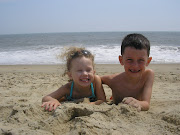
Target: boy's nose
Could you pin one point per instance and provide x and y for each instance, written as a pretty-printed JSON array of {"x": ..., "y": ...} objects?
[{"x": 135, "y": 64}]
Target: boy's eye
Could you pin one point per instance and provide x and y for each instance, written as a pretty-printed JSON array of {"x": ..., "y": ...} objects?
[
  {"x": 141, "y": 60},
  {"x": 129, "y": 60}
]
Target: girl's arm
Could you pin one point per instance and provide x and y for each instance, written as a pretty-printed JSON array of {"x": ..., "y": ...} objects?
[
  {"x": 51, "y": 101},
  {"x": 99, "y": 90}
]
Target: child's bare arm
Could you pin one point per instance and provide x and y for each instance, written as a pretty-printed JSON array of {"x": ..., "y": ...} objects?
[
  {"x": 147, "y": 91},
  {"x": 105, "y": 79},
  {"x": 50, "y": 102},
  {"x": 99, "y": 91},
  {"x": 144, "y": 103}
]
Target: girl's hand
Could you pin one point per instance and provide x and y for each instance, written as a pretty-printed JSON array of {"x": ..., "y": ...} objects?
[
  {"x": 91, "y": 103},
  {"x": 132, "y": 102},
  {"x": 51, "y": 105},
  {"x": 98, "y": 102}
]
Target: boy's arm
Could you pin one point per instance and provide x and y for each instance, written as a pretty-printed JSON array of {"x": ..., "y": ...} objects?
[
  {"x": 100, "y": 94},
  {"x": 144, "y": 103},
  {"x": 105, "y": 79},
  {"x": 147, "y": 91}
]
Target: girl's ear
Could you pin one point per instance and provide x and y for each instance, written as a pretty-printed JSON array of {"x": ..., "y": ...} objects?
[
  {"x": 149, "y": 60},
  {"x": 121, "y": 60},
  {"x": 69, "y": 75}
]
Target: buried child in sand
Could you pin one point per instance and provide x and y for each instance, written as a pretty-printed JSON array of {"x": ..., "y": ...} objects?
[
  {"x": 134, "y": 86},
  {"x": 83, "y": 81}
]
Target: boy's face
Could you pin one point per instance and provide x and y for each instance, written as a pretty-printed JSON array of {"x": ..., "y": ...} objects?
[{"x": 134, "y": 61}]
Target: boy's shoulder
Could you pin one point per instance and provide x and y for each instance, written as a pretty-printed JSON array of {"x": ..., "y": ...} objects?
[{"x": 149, "y": 72}]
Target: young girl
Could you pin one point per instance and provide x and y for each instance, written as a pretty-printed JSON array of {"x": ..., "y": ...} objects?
[{"x": 83, "y": 82}]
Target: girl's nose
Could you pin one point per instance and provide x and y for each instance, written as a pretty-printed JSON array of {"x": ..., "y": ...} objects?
[{"x": 85, "y": 73}]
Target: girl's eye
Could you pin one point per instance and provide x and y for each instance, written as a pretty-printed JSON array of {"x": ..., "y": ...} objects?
[{"x": 88, "y": 70}]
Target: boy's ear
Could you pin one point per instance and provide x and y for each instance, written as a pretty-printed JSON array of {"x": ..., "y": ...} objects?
[
  {"x": 121, "y": 60},
  {"x": 149, "y": 60}
]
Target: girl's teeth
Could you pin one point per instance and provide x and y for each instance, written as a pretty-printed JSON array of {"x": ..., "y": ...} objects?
[{"x": 85, "y": 80}]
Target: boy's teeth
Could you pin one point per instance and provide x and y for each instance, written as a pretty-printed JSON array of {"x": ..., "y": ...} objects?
[{"x": 134, "y": 71}]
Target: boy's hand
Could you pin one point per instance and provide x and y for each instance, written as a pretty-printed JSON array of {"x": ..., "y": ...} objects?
[
  {"x": 132, "y": 102},
  {"x": 51, "y": 105}
]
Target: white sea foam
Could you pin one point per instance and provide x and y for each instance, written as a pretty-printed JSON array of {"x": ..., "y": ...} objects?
[
  {"x": 104, "y": 54},
  {"x": 39, "y": 56},
  {"x": 165, "y": 54},
  {"x": 43, "y": 48}
]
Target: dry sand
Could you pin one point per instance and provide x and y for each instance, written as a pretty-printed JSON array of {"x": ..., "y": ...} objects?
[{"x": 22, "y": 88}]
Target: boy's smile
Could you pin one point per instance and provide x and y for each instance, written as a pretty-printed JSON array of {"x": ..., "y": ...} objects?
[{"x": 134, "y": 71}]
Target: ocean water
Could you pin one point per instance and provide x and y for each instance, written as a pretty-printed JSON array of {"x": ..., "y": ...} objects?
[{"x": 44, "y": 48}]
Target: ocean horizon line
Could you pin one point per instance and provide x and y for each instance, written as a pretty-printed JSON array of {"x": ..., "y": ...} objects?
[{"x": 82, "y": 32}]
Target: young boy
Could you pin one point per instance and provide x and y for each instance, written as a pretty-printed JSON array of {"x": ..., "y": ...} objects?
[{"x": 134, "y": 86}]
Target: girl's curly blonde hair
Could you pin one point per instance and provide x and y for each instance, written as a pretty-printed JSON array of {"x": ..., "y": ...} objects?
[{"x": 68, "y": 54}]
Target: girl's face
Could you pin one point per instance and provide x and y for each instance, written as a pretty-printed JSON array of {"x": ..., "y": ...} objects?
[
  {"x": 134, "y": 61},
  {"x": 82, "y": 71}
]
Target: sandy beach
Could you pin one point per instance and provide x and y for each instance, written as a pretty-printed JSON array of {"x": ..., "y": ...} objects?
[{"x": 23, "y": 86}]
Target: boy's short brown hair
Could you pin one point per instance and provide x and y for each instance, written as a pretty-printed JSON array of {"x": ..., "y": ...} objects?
[{"x": 137, "y": 41}]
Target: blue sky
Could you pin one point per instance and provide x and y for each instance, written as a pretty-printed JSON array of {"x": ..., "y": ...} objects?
[{"x": 45, "y": 16}]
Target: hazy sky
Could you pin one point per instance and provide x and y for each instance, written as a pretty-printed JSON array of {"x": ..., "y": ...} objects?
[{"x": 44, "y": 16}]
